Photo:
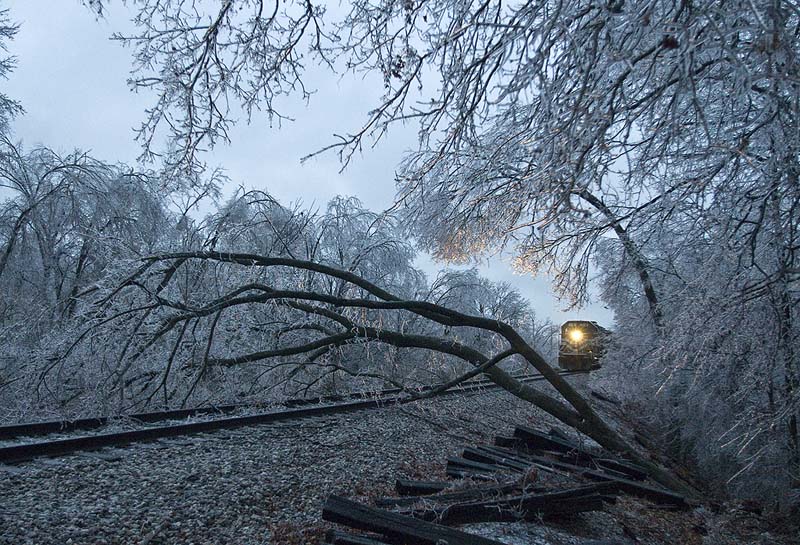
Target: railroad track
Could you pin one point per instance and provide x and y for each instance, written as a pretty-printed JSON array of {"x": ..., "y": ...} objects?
[
  {"x": 32, "y": 429},
  {"x": 64, "y": 446}
]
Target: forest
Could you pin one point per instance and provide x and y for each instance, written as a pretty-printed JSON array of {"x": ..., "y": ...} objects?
[{"x": 649, "y": 149}]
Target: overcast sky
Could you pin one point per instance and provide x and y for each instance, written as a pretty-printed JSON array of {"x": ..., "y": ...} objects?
[{"x": 71, "y": 80}]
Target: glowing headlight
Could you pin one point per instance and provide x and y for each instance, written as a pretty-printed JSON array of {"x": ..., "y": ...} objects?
[{"x": 575, "y": 335}]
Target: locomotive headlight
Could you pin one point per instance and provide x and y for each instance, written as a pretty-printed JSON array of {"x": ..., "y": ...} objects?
[{"x": 576, "y": 335}]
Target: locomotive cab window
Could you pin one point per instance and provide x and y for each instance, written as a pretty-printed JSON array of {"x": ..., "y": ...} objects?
[{"x": 582, "y": 345}]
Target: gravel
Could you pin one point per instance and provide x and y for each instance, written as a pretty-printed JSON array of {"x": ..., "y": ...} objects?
[
  {"x": 266, "y": 484},
  {"x": 254, "y": 485}
]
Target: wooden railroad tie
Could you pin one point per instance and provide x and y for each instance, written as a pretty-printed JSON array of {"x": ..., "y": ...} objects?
[
  {"x": 517, "y": 507},
  {"x": 405, "y": 487},
  {"x": 395, "y": 528},
  {"x": 463, "y": 495}
]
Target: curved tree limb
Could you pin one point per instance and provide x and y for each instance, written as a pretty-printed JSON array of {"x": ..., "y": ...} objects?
[{"x": 581, "y": 416}]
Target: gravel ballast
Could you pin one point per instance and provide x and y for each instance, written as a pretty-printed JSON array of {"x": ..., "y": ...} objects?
[
  {"x": 254, "y": 485},
  {"x": 266, "y": 484}
]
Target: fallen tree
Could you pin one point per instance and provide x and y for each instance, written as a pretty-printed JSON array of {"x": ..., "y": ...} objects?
[{"x": 352, "y": 316}]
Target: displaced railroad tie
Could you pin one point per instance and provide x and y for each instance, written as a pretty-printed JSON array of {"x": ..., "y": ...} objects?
[
  {"x": 653, "y": 493},
  {"x": 476, "y": 467},
  {"x": 531, "y": 445},
  {"x": 334, "y": 537},
  {"x": 533, "y": 448},
  {"x": 532, "y": 440},
  {"x": 490, "y": 456},
  {"x": 482, "y": 493},
  {"x": 395, "y": 528},
  {"x": 406, "y": 487},
  {"x": 630, "y": 469},
  {"x": 517, "y": 507},
  {"x": 550, "y": 442}
]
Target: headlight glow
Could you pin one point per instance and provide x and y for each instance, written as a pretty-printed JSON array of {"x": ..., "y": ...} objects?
[{"x": 576, "y": 335}]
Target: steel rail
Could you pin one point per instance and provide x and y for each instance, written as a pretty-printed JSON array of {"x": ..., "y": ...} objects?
[
  {"x": 59, "y": 447},
  {"x": 31, "y": 429}
]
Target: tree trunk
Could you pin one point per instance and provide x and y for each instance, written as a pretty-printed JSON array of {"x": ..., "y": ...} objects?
[{"x": 637, "y": 259}]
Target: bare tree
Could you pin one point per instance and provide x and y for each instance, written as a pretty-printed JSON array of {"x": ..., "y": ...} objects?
[
  {"x": 61, "y": 213},
  {"x": 9, "y": 108},
  {"x": 728, "y": 277},
  {"x": 63, "y": 223}
]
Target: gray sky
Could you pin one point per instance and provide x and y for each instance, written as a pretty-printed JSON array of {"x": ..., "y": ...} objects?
[{"x": 71, "y": 80}]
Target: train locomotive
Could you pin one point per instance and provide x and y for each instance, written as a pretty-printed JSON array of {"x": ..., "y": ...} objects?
[{"x": 582, "y": 345}]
